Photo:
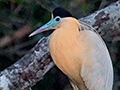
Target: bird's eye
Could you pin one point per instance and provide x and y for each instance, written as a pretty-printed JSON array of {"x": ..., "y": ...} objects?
[{"x": 57, "y": 19}]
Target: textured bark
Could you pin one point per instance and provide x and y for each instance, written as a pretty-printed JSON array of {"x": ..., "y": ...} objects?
[{"x": 37, "y": 62}]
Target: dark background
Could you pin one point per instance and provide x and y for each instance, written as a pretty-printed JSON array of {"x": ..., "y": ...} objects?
[{"x": 18, "y": 18}]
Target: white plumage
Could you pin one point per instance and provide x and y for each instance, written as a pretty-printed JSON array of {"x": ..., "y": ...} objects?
[{"x": 82, "y": 56}]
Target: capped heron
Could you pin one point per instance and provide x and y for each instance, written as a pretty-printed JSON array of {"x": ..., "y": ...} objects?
[{"x": 79, "y": 52}]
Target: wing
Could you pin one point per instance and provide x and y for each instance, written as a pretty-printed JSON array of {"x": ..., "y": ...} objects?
[{"x": 96, "y": 70}]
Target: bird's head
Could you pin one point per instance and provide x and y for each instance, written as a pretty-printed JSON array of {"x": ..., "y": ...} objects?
[{"x": 57, "y": 15}]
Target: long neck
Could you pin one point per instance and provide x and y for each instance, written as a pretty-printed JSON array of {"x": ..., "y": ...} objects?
[
  {"x": 65, "y": 50},
  {"x": 67, "y": 33},
  {"x": 65, "y": 38},
  {"x": 63, "y": 43}
]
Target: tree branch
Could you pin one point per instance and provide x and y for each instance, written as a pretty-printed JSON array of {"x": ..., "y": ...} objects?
[{"x": 37, "y": 62}]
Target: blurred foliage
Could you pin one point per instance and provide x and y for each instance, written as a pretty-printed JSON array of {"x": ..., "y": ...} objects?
[{"x": 15, "y": 14}]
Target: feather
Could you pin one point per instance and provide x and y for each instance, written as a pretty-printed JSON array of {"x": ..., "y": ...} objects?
[
  {"x": 81, "y": 55},
  {"x": 96, "y": 67},
  {"x": 101, "y": 72}
]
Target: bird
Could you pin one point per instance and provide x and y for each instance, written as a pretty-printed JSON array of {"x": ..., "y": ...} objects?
[{"x": 79, "y": 52}]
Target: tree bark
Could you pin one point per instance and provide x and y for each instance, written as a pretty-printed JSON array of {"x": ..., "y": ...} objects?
[{"x": 37, "y": 62}]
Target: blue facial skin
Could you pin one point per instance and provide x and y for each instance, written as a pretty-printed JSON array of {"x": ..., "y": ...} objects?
[
  {"x": 51, "y": 24},
  {"x": 54, "y": 22},
  {"x": 47, "y": 26}
]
